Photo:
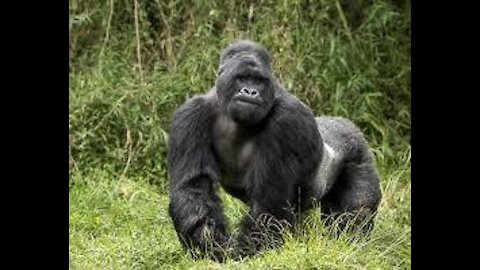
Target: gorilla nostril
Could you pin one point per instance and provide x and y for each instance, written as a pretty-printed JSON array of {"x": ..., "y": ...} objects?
[
  {"x": 254, "y": 92},
  {"x": 245, "y": 91}
]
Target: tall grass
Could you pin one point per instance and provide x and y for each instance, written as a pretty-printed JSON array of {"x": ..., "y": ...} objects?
[{"x": 133, "y": 62}]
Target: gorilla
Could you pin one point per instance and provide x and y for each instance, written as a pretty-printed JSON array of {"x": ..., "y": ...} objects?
[{"x": 262, "y": 145}]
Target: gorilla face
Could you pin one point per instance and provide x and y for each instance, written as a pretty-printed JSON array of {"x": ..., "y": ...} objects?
[
  {"x": 245, "y": 84},
  {"x": 251, "y": 99}
]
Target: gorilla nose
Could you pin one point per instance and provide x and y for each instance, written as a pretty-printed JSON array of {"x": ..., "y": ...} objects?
[{"x": 249, "y": 92}]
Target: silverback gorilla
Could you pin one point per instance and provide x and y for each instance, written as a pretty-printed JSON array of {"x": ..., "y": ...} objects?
[{"x": 266, "y": 148}]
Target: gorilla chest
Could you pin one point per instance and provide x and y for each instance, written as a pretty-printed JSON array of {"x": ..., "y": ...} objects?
[{"x": 234, "y": 149}]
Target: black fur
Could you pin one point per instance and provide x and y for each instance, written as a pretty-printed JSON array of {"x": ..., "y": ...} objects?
[{"x": 264, "y": 148}]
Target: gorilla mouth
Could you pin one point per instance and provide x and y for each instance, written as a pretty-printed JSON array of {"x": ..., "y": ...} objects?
[
  {"x": 244, "y": 99},
  {"x": 246, "y": 105}
]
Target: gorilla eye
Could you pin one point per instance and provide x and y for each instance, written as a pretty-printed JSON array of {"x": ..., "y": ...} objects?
[
  {"x": 258, "y": 80},
  {"x": 252, "y": 78},
  {"x": 242, "y": 78}
]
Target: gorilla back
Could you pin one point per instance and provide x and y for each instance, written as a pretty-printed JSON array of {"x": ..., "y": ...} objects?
[{"x": 265, "y": 147}]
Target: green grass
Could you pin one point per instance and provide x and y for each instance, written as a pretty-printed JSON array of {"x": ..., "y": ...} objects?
[
  {"x": 119, "y": 120},
  {"x": 118, "y": 223}
]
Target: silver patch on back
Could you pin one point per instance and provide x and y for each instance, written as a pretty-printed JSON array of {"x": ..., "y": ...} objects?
[{"x": 328, "y": 169}]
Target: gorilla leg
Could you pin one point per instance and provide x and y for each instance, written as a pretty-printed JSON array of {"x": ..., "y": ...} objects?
[
  {"x": 263, "y": 226},
  {"x": 353, "y": 200}
]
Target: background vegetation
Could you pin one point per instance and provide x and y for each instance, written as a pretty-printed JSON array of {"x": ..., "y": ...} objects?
[{"x": 132, "y": 62}]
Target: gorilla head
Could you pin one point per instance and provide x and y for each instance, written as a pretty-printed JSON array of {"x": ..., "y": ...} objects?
[{"x": 245, "y": 85}]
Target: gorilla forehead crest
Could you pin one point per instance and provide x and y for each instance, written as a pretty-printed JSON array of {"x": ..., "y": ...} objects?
[{"x": 245, "y": 48}]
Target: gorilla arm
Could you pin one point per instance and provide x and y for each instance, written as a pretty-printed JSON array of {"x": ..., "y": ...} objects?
[
  {"x": 287, "y": 154},
  {"x": 195, "y": 208}
]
